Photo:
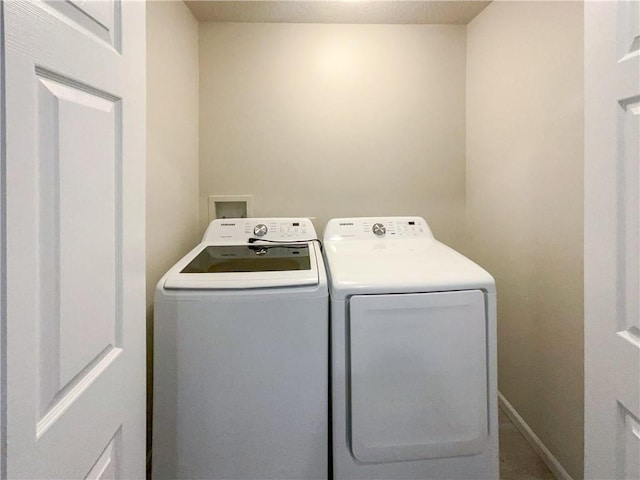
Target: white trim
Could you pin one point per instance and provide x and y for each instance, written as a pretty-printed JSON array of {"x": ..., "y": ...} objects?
[
  {"x": 3, "y": 282},
  {"x": 543, "y": 452}
]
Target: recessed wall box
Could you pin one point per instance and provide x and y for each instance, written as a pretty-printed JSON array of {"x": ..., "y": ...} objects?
[{"x": 230, "y": 206}]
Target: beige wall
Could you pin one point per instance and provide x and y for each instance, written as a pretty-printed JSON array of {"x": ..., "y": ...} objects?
[
  {"x": 172, "y": 141},
  {"x": 525, "y": 206},
  {"x": 335, "y": 120},
  {"x": 172, "y": 136}
]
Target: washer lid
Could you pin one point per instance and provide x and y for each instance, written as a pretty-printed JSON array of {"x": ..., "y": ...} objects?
[
  {"x": 245, "y": 266},
  {"x": 400, "y": 266}
]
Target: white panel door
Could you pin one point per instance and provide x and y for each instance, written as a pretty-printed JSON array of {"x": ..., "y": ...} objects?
[
  {"x": 75, "y": 319},
  {"x": 612, "y": 240},
  {"x": 418, "y": 375}
]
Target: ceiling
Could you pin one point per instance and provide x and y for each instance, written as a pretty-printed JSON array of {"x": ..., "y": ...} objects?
[{"x": 337, "y": 11}]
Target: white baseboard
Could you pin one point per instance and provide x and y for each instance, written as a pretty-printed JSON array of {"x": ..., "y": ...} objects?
[{"x": 537, "y": 445}]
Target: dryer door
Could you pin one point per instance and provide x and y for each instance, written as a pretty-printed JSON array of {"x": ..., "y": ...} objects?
[{"x": 418, "y": 375}]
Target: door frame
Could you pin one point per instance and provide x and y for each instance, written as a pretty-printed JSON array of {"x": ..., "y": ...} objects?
[{"x": 3, "y": 254}]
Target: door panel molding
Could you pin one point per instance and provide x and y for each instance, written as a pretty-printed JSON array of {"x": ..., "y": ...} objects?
[{"x": 101, "y": 19}]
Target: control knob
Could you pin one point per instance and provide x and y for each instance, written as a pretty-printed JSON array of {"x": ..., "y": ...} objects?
[
  {"x": 379, "y": 229},
  {"x": 260, "y": 230}
]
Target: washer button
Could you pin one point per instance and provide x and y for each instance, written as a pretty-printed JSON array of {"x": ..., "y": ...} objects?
[
  {"x": 379, "y": 229},
  {"x": 260, "y": 230}
]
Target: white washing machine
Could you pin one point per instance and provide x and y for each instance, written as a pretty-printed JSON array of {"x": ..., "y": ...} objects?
[
  {"x": 241, "y": 356},
  {"x": 413, "y": 354}
]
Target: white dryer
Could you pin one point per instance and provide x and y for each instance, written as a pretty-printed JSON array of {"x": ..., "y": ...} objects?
[
  {"x": 413, "y": 354},
  {"x": 241, "y": 356}
]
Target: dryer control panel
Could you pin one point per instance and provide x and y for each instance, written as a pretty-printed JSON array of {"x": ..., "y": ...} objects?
[
  {"x": 240, "y": 230},
  {"x": 377, "y": 228}
]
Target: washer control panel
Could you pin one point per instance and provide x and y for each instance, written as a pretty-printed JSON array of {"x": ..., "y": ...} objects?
[
  {"x": 381, "y": 228},
  {"x": 239, "y": 230}
]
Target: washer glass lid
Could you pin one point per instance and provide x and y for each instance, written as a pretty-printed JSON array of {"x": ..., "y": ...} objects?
[{"x": 250, "y": 258}]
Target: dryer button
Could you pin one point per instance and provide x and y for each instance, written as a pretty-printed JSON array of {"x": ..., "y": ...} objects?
[{"x": 378, "y": 229}]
